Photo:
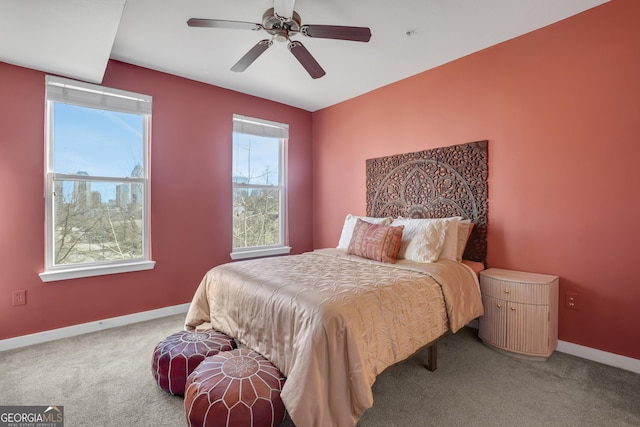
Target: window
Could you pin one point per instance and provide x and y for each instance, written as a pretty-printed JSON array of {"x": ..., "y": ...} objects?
[
  {"x": 259, "y": 193},
  {"x": 97, "y": 180}
]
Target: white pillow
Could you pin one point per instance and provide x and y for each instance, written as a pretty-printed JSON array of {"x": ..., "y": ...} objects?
[
  {"x": 412, "y": 228},
  {"x": 450, "y": 246},
  {"x": 427, "y": 244},
  {"x": 416, "y": 227},
  {"x": 350, "y": 223}
]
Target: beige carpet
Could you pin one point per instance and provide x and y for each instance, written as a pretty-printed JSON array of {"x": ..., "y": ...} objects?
[{"x": 104, "y": 379}]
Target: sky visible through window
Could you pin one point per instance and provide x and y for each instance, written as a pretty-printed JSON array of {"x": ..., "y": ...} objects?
[
  {"x": 97, "y": 143},
  {"x": 257, "y": 158},
  {"x": 105, "y": 143}
]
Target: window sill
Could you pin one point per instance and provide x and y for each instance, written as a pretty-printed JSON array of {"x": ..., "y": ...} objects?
[
  {"x": 260, "y": 253},
  {"x": 75, "y": 273}
]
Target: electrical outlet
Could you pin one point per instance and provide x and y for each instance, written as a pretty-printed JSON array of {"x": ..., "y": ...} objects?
[
  {"x": 571, "y": 300},
  {"x": 19, "y": 297}
]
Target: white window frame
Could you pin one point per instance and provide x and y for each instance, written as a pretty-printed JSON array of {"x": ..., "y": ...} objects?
[
  {"x": 94, "y": 96},
  {"x": 266, "y": 128}
]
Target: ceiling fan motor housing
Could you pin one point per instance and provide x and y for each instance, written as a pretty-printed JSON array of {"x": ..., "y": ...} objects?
[{"x": 278, "y": 28}]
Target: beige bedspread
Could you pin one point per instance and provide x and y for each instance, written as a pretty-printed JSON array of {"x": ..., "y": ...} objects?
[{"x": 332, "y": 322}]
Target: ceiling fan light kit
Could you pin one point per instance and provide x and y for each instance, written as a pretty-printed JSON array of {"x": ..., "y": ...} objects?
[{"x": 282, "y": 22}]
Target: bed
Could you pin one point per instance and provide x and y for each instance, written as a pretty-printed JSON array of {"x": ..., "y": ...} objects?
[{"x": 331, "y": 320}]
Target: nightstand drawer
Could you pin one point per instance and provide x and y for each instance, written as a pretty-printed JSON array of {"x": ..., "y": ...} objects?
[{"x": 530, "y": 293}]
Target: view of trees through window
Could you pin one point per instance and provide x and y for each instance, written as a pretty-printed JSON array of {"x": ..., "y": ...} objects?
[
  {"x": 98, "y": 185},
  {"x": 256, "y": 191},
  {"x": 89, "y": 229}
]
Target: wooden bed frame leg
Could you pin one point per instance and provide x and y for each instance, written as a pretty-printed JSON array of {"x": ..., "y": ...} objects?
[{"x": 432, "y": 357}]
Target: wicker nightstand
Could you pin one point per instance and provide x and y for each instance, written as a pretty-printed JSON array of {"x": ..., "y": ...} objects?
[{"x": 520, "y": 312}]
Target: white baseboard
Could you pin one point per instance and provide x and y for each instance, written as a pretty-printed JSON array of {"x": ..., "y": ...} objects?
[
  {"x": 606, "y": 358},
  {"x": 84, "y": 328},
  {"x": 600, "y": 356}
]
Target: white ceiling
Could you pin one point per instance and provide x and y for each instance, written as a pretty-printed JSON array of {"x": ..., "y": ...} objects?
[{"x": 75, "y": 38}]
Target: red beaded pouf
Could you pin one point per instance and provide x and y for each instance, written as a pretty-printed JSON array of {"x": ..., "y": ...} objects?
[
  {"x": 175, "y": 357},
  {"x": 238, "y": 388}
]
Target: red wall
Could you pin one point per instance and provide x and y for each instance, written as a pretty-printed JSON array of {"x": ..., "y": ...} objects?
[
  {"x": 561, "y": 110},
  {"x": 190, "y": 192}
]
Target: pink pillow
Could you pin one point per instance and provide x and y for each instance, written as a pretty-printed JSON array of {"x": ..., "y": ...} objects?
[{"x": 375, "y": 241}]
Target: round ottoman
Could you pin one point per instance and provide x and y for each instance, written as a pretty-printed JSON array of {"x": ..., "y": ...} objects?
[
  {"x": 175, "y": 357},
  {"x": 238, "y": 388}
]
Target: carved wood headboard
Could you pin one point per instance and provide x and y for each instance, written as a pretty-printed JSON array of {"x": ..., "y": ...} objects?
[{"x": 437, "y": 183}]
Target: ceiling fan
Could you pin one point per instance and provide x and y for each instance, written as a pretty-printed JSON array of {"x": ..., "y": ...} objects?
[{"x": 282, "y": 22}]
